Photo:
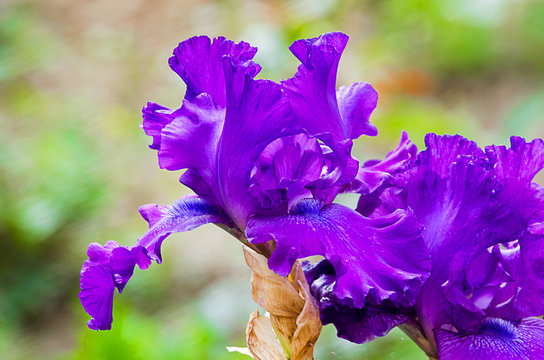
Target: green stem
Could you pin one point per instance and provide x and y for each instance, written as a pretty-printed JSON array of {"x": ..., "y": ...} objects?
[{"x": 417, "y": 336}]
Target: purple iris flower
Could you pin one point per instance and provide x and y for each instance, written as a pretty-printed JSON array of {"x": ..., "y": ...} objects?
[
  {"x": 483, "y": 228},
  {"x": 265, "y": 161}
]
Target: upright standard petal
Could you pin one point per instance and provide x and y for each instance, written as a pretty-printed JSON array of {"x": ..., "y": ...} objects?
[
  {"x": 198, "y": 61},
  {"x": 334, "y": 117},
  {"x": 497, "y": 339},
  {"x": 366, "y": 253},
  {"x": 312, "y": 91},
  {"x": 191, "y": 142},
  {"x": 356, "y": 103},
  {"x": 226, "y": 120},
  {"x": 257, "y": 113},
  {"x": 111, "y": 266}
]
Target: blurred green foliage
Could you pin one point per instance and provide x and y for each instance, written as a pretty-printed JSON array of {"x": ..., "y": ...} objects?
[
  {"x": 74, "y": 166},
  {"x": 139, "y": 337}
]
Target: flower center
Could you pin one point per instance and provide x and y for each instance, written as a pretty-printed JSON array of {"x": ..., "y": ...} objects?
[{"x": 498, "y": 328}]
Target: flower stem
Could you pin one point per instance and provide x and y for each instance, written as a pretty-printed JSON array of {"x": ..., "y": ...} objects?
[
  {"x": 241, "y": 237},
  {"x": 415, "y": 333}
]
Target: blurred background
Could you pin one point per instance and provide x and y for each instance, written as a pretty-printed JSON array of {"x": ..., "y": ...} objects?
[{"x": 74, "y": 166}]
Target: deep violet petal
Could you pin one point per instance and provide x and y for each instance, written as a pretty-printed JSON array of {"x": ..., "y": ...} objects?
[
  {"x": 111, "y": 266},
  {"x": 365, "y": 253}
]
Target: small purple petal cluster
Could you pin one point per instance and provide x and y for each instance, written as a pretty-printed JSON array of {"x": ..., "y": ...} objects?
[{"x": 449, "y": 241}]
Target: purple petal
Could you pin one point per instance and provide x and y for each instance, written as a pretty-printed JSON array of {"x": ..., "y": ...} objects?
[
  {"x": 198, "y": 61},
  {"x": 497, "y": 340},
  {"x": 111, "y": 266},
  {"x": 151, "y": 213},
  {"x": 480, "y": 286},
  {"x": 155, "y": 118},
  {"x": 358, "y": 325},
  {"x": 522, "y": 161},
  {"x": 443, "y": 205},
  {"x": 190, "y": 140},
  {"x": 517, "y": 292},
  {"x": 185, "y": 214},
  {"x": 356, "y": 103},
  {"x": 531, "y": 279},
  {"x": 284, "y": 169},
  {"x": 516, "y": 168},
  {"x": 442, "y": 151},
  {"x": 96, "y": 296},
  {"x": 192, "y": 179},
  {"x": 382, "y": 257},
  {"x": 108, "y": 267},
  {"x": 312, "y": 90},
  {"x": 373, "y": 174},
  {"x": 335, "y": 118},
  {"x": 454, "y": 194},
  {"x": 257, "y": 113},
  {"x": 219, "y": 144},
  {"x": 525, "y": 265}
]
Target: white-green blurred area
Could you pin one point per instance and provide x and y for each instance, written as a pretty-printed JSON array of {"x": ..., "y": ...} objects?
[{"x": 75, "y": 167}]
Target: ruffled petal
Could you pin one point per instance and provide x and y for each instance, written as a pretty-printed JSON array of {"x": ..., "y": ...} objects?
[
  {"x": 442, "y": 150},
  {"x": 516, "y": 168},
  {"x": 216, "y": 135},
  {"x": 108, "y": 267},
  {"x": 479, "y": 286},
  {"x": 455, "y": 195},
  {"x": 312, "y": 90},
  {"x": 334, "y": 117},
  {"x": 284, "y": 169},
  {"x": 155, "y": 118},
  {"x": 443, "y": 205},
  {"x": 384, "y": 258},
  {"x": 514, "y": 285},
  {"x": 373, "y": 174},
  {"x": 524, "y": 262},
  {"x": 257, "y": 113},
  {"x": 198, "y": 61},
  {"x": 96, "y": 296},
  {"x": 531, "y": 281},
  {"x": 112, "y": 265},
  {"x": 358, "y": 325},
  {"x": 190, "y": 140},
  {"x": 482, "y": 218},
  {"x": 522, "y": 160},
  {"x": 497, "y": 340},
  {"x": 356, "y": 103}
]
